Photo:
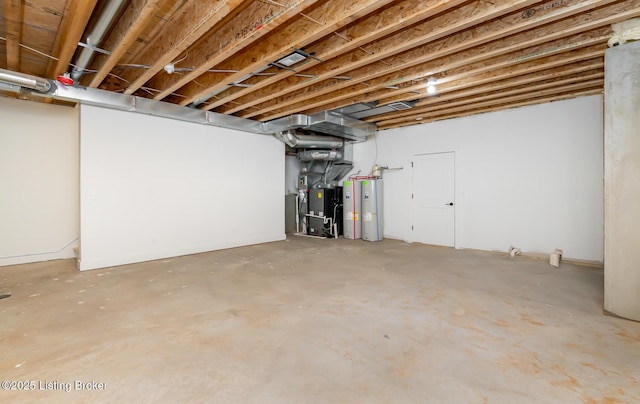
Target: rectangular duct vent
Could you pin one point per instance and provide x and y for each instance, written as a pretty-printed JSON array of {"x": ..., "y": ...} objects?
[{"x": 400, "y": 105}]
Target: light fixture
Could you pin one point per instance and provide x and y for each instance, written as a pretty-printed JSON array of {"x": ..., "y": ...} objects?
[
  {"x": 291, "y": 59},
  {"x": 431, "y": 85},
  {"x": 170, "y": 68}
]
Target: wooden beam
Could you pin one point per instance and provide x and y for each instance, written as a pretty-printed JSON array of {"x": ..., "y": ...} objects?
[
  {"x": 499, "y": 107},
  {"x": 13, "y": 12},
  {"x": 194, "y": 20},
  {"x": 493, "y": 81},
  {"x": 524, "y": 95},
  {"x": 138, "y": 14},
  {"x": 70, "y": 34},
  {"x": 466, "y": 39},
  {"x": 427, "y": 31},
  {"x": 452, "y": 68},
  {"x": 249, "y": 26},
  {"x": 377, "y": 90},
  {"x": 522, "y": 74},
  {"x": 594, "y": 41},
  {"x": 373, "y": 27},
  {"x": 415, "y": 63},
  {"x": 64, "y": 21},
  {"x": 323, "y": 20},
  {"x": 500, "y": 92}
]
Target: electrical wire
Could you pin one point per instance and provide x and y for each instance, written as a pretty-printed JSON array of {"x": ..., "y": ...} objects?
[
  {"x": 146, "y": 89},
  {"x": 32, "y": 49}
]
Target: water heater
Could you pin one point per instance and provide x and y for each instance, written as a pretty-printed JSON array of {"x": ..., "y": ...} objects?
[
  {"x": 372, "y": 225},
  {"x": 351, "y": 204}
]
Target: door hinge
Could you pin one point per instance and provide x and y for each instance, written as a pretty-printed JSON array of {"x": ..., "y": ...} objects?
[
  {"x": 411, "y": 196},
  {"x": 411, "y": 227},
  {"x": 412, "y": 164}
]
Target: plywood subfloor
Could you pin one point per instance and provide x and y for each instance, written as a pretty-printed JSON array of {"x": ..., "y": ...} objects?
[{"x": 308, "y": 320}]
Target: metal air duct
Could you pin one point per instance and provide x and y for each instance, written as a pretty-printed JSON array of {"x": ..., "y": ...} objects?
[
  {"x": 299, "y": 140},
  {"x": 324, "y": 155},
  {"x": 111, "y": 10},
  {"x": 25, "y": 80},
  {"x": 325, "y": 122}
]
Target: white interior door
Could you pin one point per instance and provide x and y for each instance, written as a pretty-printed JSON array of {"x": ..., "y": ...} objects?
[{"x": 433, "y": 199}]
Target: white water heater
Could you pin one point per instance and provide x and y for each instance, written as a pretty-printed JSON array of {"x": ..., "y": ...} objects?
[
  {"x": 351, "y": 206},
  {"x": 372, "y": 224}
]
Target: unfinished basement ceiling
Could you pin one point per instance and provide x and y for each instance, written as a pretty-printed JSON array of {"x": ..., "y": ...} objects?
[{"x": 263, "y": 59}]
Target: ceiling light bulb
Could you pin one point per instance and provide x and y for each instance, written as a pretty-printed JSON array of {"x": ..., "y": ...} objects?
[
  {"x": 170, "y": 68},
  {"x": 431, "y": 89}
]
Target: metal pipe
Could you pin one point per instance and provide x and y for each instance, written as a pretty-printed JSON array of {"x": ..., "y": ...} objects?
[
  {"x": 111, "y": 10},
  {"x": 324, "y": 155},
  {"x": 300, "y": 141},
  {"x": 25, "y": 80}
]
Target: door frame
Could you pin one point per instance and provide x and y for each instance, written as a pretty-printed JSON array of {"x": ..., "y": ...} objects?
[{"x": 455, "y": 193}]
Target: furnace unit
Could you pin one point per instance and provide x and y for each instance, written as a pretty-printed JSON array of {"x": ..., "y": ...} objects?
[{"x": 325, "y": 212}]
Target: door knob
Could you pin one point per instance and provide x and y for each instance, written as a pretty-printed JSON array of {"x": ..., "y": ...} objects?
[{"x": 449, "y": 204}]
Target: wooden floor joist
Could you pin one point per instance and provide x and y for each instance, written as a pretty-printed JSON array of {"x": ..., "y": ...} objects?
[
  {"x": 196, "y": 18},
  {"x": 349, "y": 39},
  {"x": 324, "y": 20},
  {"x": 506, "y": 94},
  {"x": 415, "y": 64},
  {"x": 136, "y": 16},
  {"x": 222, "y": 55},
  {"x": 496, "y": 81},
  {"x": 526, "y": 39},
  {"x": 454, "y": 67},
  {"x": 291, "y": 91},
  {"x": 13, "y": 13},
  {"x": 248, "y": 27},
  {"x": 70, "y": 34},
  {"x": 595, "y": 45},
  {"x": 598, "y": 19},
  {"x": 499, "y": 107}
]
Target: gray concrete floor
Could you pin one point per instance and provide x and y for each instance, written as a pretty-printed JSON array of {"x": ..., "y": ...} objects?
[{"x": 321, "y": 321}]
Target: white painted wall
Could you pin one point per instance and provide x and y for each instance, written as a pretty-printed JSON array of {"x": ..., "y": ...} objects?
[
  {"x": 153, "y": 188},
  {"x": 39, "y": 181},
  {"x": 529, "y": 177}
]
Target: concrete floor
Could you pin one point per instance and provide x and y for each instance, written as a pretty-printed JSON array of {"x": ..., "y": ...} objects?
[{"x": 321, "y": 321}]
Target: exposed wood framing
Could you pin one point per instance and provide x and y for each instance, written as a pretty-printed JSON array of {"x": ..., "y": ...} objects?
[
  {"x": 137, "y": 15},
  {"x": 527, "y": 94},
  {"x": 64, "y": 21},
  {"x": 503, "y": 94},
  {"x": 559, "y": 55},
  {"x": 70, "y": 34},
  {"x": 150, "y": 34},
  {"x": 496, "y": 81},
  {"x": 196, "y": 18},
  {"x": 13, "y": 12},
  {"x": 453, "y": 67},
  {"x": 425, "y": 32},
  {"x": 498, "y": 106},
  {"x": 331, "y": 14},
  {"x": 484, "y": 55},
  {"x": 594, "y": 46},
  {"x": 246, "y": 28},
  {"x": 425, "y": 60},
  {"x": 390, "y": 20}
]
